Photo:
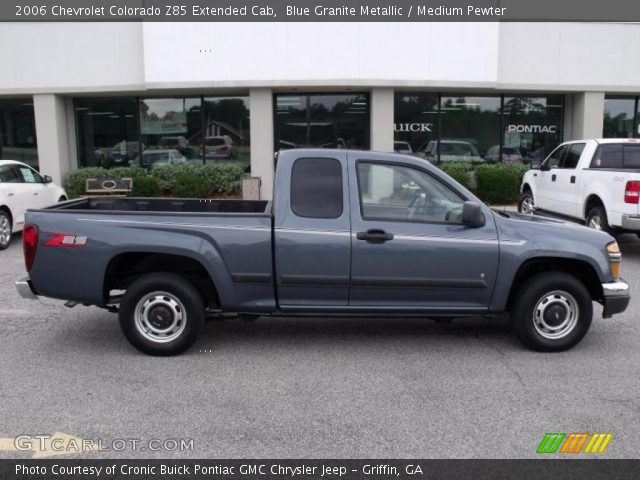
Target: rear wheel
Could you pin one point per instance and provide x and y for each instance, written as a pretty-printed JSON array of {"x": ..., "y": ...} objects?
[
  {"x": 5, "y": 230},
  {"x": 162, "y": 314},
  {"x": 552, "y": 312},
  {"x": 597, "y": 219},
  {"x": 526, "y": 204}
]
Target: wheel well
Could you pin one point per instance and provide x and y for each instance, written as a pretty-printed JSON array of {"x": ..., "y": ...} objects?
[
  {"x": 126, "y": 268},
  {"x": 8, "y": 212},
  {"x": 576, "y": 268},
  {"x": 526, "y": 187},
  {"x": 62, "y": 198},
  {"x": 592, "y": 201}
]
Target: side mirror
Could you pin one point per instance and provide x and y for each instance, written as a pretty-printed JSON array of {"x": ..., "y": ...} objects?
[
  {"x": 544, "y": 167},
  {"x": 472, "y": 215},
  {"x": 47, "y": 179}
]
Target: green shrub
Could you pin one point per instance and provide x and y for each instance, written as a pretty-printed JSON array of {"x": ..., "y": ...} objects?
[
  {"x": 146, "y": 186},
  {"x": 499, "y": 183},
  {"x": 460, "y": 172},
  {"x": 190, "y": 185}
]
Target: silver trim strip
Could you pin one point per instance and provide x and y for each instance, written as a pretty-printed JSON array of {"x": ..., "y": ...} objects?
[
  {"x": 173, "y": 224},
  {"x": 25, "y": 290},
  {"x": 612, "y": 289}
]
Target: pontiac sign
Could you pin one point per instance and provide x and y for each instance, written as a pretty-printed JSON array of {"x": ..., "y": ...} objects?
[{"x": 532, "y": 128}]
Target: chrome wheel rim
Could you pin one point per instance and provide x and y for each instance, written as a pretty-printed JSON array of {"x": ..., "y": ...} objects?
[
  {"x": 160, "y": 317},
  {"x": 556, "y": 315},
  {"x": 595, "y": 222},
  {"x": 5, "y": 231},
  {"x": 527, "y": 205}
]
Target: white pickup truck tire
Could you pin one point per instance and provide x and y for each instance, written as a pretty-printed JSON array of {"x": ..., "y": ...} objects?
[{"x": 597, "y": 219}]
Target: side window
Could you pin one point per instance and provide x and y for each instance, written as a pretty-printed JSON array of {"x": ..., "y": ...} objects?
[
  {"x": 573, "y": 156},
  {"x": 401, "y": 193},
  {"x": 631, "y": 156},
  {"x": 316, "y": 188},
  {"x": 608, "y": 156},
  {"x": 30, "y": 176},
  {"x": 553, "y": 160},
  {"x": 8, "y": 174}
]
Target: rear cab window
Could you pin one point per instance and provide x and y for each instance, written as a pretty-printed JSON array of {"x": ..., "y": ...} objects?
[
  {"x": 317, "y": 188},
  {"x": 617, "y": 156}
]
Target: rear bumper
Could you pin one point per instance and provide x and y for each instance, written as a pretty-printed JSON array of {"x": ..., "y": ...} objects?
[
  {"x": 616, "y": 297},
  {"x": 26, "y": 290},
  {"x": 631, "y": 222}
]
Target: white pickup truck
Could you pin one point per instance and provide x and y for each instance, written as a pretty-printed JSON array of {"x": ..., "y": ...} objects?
[{"x": 596, "y": 181}]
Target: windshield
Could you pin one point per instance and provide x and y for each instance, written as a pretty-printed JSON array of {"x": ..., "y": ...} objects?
[{"x": 214, "y": 142}]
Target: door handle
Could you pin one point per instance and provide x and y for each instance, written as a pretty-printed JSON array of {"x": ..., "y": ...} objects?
[
  {"x": 10, "y": 194},
  {"x": 573, "y": 179},
  {"x": 35, "y": 193},
  {"x": 374, "y": 236},
  {"x": 553, "y": 177}
]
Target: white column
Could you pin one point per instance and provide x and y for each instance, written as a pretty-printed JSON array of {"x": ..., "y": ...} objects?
[
  {"x": 262, "y": 165},
  {"x": 382, "y": 108},
  {"x": 52, "y": 133},
  {"x": 588, "y": 112}
]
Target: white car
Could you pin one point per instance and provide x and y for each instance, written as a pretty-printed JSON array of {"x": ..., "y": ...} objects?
[
  {"x": 21, "y": 188},
  {"x": 595, "y": 181},
  {"x": 450, "y": 151},
  {"x": 158, "y": 158}
]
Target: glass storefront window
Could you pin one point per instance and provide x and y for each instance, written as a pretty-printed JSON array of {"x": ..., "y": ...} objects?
[
  {"x": 415, "y": 121},
  {"x": 470, "y": 128},
  {"x": 618, "y": 117},
  {"x": 18, "y": 131},
  {"x": 107, "y": 131},
  {"x": 225, "y": 133},
  {"x": 167, "y": 126},
  {"x": 322, "y": 120},
  {"x": 532, "y": 126}
]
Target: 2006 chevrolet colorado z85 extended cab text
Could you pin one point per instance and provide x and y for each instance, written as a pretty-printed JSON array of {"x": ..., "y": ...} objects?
[{"x": 348, "y": 233}]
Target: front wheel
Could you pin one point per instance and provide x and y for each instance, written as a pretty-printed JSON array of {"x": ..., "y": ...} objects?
[
  {"x": 162, "y": 314},
  {"x": 525, "y": 204},
  {"x": 552, "y": 312},
  {"x": 5, "y": 230}
]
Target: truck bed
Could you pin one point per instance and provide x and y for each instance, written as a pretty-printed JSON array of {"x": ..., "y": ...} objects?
[{"x": 128, "y": 204}]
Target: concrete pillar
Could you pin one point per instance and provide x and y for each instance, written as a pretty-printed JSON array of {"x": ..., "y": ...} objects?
[
  {"x": 262, "y": 165},
  {"x": 382, "y": 111},
  {"x": 588, "y": 111},
  {"x": 52, "y": 133}
]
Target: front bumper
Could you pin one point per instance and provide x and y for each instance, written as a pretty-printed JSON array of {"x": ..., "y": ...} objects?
[
  {"x": 26, "y": 290},
  {"x": 616, "y": 297}
]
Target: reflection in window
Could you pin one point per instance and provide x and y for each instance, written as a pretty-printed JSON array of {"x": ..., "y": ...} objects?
[
  {"x": 618, "y": 117},
  {"x": 415, "y": 121},
  {"x": 322, "y": 120},
  {"x": 226, "y": 130},
  {"x": 107, "y": 131},
  {"x": 470, "y": 128},
  {"x": 533, "y": 125},
  {"x": 18, "y": 131},
  {"x": 171, "y": 126}
]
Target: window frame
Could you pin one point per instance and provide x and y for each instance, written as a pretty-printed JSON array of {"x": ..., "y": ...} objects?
[
  {"x": 562, "y": 166},
  {"x": 364, "y": 218},
  {"x": 545, "y": 162}
]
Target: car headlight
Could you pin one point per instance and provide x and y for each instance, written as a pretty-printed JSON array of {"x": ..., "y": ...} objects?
[{"x": 615, "y": 259}]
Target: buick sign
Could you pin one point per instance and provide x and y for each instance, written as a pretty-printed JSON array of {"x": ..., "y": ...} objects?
[{"x": 413, "y": 127}]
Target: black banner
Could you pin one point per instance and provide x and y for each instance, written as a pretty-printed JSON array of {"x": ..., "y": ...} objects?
[
  {"x": 318, "y": 10},
  {"x": 306, "y": 469}
]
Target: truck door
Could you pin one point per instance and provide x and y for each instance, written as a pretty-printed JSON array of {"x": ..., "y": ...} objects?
[
  {"x": 565, "y": 186},
  {"x": 410, "y": 250},
  {"x": 313, "y": 233},
  {"x": 546, "y": 194}
]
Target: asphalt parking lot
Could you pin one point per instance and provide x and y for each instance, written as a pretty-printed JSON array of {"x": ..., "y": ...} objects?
[{"x": 327, "y": 388}]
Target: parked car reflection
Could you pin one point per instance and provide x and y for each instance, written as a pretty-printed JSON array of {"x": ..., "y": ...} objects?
[
  {"x": 450, "y": 151},
  {"x": 510, "y": 155},
  {"x": 156, "y": 157},
  {"x": 220, "y": 147}
]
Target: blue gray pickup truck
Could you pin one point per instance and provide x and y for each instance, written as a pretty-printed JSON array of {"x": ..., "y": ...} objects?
[{"x": 348, "y": 233}]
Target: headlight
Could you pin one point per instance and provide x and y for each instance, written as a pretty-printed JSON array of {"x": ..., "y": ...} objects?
[{"x": 615, "y": 259}]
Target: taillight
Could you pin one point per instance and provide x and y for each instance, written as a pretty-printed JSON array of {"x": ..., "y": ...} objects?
[
  {"x": 224, "y": 148},
  {"x": 29, "y": 244},
  {"x": 632, "y": 192}
]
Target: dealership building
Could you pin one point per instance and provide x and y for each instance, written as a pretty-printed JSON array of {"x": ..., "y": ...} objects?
[{"x": 86, "y": 94}]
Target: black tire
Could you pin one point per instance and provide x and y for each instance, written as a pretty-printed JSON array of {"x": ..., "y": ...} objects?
[
  {"x": 561, "y": 291},
  {"x": 526, "y": 197},
  {"x": 169, "y": 293},
  {"x": 5, "y": 227},
  {"x": 598, "y": 216}
]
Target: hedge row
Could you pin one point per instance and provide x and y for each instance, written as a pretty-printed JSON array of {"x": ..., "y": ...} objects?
[
  {"x": 199, "y": 181},
  {"x": 495, "y": 183}
]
